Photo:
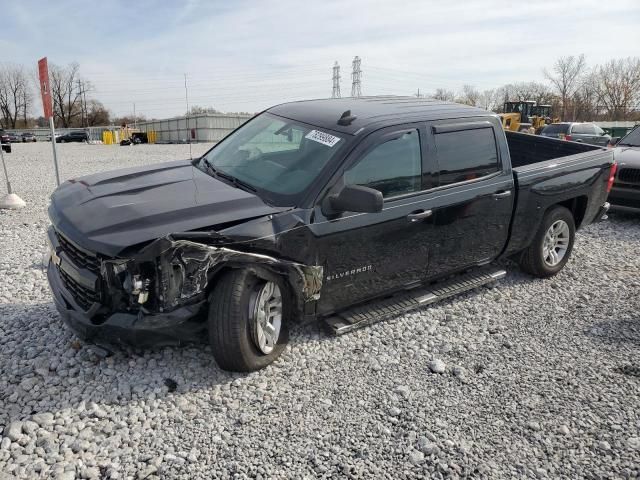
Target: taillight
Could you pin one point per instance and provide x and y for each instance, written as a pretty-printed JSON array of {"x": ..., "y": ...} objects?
[
  {"x": 567, "y": 137},
  {"x": 612, "y": 176}
]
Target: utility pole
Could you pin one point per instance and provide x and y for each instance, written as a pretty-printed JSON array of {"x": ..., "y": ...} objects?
[
  {"x": 335, "y": 92},
  {"x": 356, "y": 78},
  {"x": 84, "y": 99},
  {"x": 134, "y": 115},
  {"x": 81, "y": 105},
  {"x": 186, "y": 99},
  {"x": 419, "y": 95}
]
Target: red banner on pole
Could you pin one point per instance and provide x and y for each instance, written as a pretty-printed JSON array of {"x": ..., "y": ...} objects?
[{"x": 43, "y": 73}]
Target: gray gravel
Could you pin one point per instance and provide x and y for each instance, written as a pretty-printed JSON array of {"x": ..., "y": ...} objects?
[{"x": 535, "y": 379}]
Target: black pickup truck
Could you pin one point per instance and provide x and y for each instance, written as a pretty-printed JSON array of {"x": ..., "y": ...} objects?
[{"x": 345, "y": 210}]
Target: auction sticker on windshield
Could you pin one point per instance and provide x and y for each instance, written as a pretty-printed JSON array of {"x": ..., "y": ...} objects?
[{"x": 322, "y": 137}]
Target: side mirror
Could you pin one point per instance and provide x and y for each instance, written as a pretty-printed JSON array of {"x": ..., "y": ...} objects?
[
  {"x": 614, "y": 141},
  {"x": 355, "y": 198}
]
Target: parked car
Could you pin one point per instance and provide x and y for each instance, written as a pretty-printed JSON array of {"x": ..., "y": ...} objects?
[
  {"x": 345, "y": 210},
  {"x": 625, "y": 194},
  {"x": 4, "y": 141},
  {"x": 75, "y": 136},
  {"x": 577, "y": 132},
  {"x": 28, "y": 137},
  {"x": 14, "y": 137},
  {"x": 56, "y": 135}
]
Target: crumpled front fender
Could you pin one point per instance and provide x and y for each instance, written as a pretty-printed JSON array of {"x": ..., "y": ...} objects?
[{"x": 186, "y": 267}]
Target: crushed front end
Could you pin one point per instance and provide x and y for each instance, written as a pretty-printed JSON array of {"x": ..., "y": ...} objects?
[{"x": 157, "y": 295}]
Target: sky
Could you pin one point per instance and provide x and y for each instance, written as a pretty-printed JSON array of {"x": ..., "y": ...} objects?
[{"x": 246, "y": 55}]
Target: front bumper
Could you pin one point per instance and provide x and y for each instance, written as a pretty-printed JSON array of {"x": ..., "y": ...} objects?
[
  {"x": 179, "y": 326},
  {"x": 625, "y": 199}
]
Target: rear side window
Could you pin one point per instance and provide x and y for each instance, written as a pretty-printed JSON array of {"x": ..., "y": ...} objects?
[
  {"x": 556, "y": 128},
  {"x": 466, "y": 155},
  {"x": 584, "y": 128}
]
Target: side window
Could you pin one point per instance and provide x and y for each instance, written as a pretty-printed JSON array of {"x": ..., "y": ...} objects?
[
  {"x": 393, "y": 167},
  {"x": 585, "y": 129},
  {"x": 465, "y": 155}
]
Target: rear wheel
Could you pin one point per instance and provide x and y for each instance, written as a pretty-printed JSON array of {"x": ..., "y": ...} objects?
[
  {"x": 247, "y": 321},
  {"x": 551, "y": 247}
]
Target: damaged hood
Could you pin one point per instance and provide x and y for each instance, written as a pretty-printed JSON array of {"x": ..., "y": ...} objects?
[{"x": 110, "y": 211}]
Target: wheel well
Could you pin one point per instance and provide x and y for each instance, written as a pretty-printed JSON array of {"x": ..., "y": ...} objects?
[
  {"x": 578, "y": 207},
  {"x": 262, "y": 272}
]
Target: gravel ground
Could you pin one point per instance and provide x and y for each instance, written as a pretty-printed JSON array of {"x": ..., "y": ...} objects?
[{"x": 532, "y": 378}]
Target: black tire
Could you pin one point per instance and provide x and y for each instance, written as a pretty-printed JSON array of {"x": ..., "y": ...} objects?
[
  {"x": 230, "y": 330},
  {"x": 532, "y": 259}
]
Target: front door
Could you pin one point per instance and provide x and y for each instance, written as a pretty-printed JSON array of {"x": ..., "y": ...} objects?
[{"x": 367, "y": 254}]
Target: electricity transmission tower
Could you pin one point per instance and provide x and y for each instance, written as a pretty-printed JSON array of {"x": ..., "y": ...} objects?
[
  {"x": 335, "y": 92},
  {"x": 356, "y": 78}
]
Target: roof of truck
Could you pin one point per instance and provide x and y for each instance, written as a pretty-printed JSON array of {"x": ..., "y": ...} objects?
[{"x": 325, "y": 113}]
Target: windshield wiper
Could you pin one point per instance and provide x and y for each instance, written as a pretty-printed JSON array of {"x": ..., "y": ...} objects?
[
  {"x": 627, "y": 144},
  {"x": 210, "y": 167},
  {"x": 236, "y": 182}
]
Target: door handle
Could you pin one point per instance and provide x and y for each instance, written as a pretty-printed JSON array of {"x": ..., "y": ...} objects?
[
  {"x": 505, "y": 194},
  {"x": 419, "y": 215}
]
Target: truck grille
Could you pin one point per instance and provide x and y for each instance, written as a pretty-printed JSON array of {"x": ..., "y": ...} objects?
[
  {"x": 81, "y": 258},
  {"x": 629, "y": 175},
  {"x": 82, "y": 295},
  {"x": 85, "y": 297}
]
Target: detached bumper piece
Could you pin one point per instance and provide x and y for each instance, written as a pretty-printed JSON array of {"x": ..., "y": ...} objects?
[
  {"x": 602, "y": 213},
  {"x": 364, "y": 315}
]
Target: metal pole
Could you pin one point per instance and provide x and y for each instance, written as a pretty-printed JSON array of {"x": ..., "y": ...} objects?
[
  {"x": 186, "y": 99},
  {"x": 53, "y": 144},
  {"x": 6, "y": 175}
]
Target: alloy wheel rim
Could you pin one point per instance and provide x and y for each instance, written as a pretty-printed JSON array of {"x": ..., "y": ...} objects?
[
  {"x": 266, "y": 316},
  {"x": 556, "y": 243}
]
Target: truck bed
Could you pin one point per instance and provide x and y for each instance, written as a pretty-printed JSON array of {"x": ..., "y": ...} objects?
[
  {"x": 529, "y": 149},
  {"x": 548, "y": 171}
]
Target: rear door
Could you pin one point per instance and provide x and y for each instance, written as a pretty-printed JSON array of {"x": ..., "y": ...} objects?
[{"x": 473, "y": 197}]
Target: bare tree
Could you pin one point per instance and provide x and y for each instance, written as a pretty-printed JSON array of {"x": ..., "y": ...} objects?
[
  {"x": 565, "y": 78},
  {"x": 67, "y": 98},
  {"x": 469, "y": 96},
  {"x": 97, "y": 114},
  {"x": 490, "y": 100},
  {"x": 586, "y": 99},
  {"x": 619, "y": 87},
  {"x": 444, "y": 95},
  {"x": 197, "y": 109},
  {"x": 15, "y": 94}
]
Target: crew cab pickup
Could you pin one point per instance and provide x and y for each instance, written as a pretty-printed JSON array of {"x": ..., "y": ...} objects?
[{"x": 344, "y": 210}]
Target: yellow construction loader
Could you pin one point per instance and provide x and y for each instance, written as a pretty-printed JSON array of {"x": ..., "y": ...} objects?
[
  {"x": 526, "y": 116},
  {"x": 516, "y": 116}
]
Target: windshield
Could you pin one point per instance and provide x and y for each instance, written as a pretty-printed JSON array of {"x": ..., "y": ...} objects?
[
  {"x": 556, "y": 128},
  {"x": 277, "y": 157},
  {"x": 632, "y": 138}
]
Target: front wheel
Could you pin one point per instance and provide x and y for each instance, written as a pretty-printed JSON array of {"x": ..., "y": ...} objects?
[
  {"x": 552, "y": 244},
  {"x": 247, "y": 321}
]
